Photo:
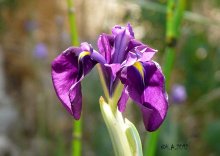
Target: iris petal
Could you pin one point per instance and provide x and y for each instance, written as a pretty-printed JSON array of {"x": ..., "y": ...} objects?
[
  {"x": 110, "y": 74},
  {"x": 147, "y": 91},
  {"x": 131, "y": 59},
  {"x": 75, "y": 97},
  {"x": 131, "y": 77},
  {"x": 146, "y": 53},
  {"x": 118, "y": 29},
  {"x": 68, "y": 69},
  {"x": 137, "y": 51},
  {"x": 123, "y": 36},
  {"x": 143, "y": 52},
  {"x": 120, "y": 45},
  {"x": 154, "y": 96},
  {"x": 105, "y": 47},
  {"x": 123, "y": 100},
  {"x": 64, "y": 75}
]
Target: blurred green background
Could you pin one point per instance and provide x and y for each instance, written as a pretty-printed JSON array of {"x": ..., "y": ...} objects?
[{"x": 33, "y": 33}]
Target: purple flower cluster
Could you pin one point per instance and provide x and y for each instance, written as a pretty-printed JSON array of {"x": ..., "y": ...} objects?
[{"x": 122, "y": 59}]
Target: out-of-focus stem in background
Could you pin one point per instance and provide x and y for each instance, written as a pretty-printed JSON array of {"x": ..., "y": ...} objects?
[
  {"x": 175, "y": 12},
  {"x": 174, "y": 15},
  {"x": 77, "y": 125},
  {"x": 72, "y": 23}
]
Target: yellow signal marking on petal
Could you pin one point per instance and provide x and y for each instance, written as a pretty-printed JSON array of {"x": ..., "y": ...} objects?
[
  {"x": 83, "y": 54},
  {"x": 140, "y": 68}
]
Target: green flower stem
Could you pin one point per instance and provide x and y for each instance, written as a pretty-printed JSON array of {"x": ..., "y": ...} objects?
[
  {"x": 77, "y": 125},
  {"x": 124, "y": 136},
  {"x": 175, "y": 12},
  {"x": 113, "y": 101},
  {"x": 101, "y": 76}
]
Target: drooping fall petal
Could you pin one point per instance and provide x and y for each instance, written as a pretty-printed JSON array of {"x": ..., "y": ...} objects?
[
  {"x": 145, "y": 85},
  {"x": 64, "y": 75},
  {"x": 154, "y": 96},
  {"x": 68, "y": 69}
]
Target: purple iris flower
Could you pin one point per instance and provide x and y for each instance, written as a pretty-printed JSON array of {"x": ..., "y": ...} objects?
[{"x": 122, "y": 59}]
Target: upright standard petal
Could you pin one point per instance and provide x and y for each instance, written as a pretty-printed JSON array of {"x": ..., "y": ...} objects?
[
  {"x": 68, "y": 69},
  {"x": 105, "y": 44},
  {"x": 145, "y": 85},
  {"x": 114, "y": 48},
  {"x": 122, "y": 37},
  {"x": 137, "y": 51},
  {"x": 129, "y": 30},
  {"x": 143, "y": 52}
]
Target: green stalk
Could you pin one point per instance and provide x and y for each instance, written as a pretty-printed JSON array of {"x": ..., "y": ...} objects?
[
  {"x": 102, "y": 79},
  {"x": 77, "y": 125},
  {"x": 124, "y": 136},
  {"x": 175, "y": 12}
]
